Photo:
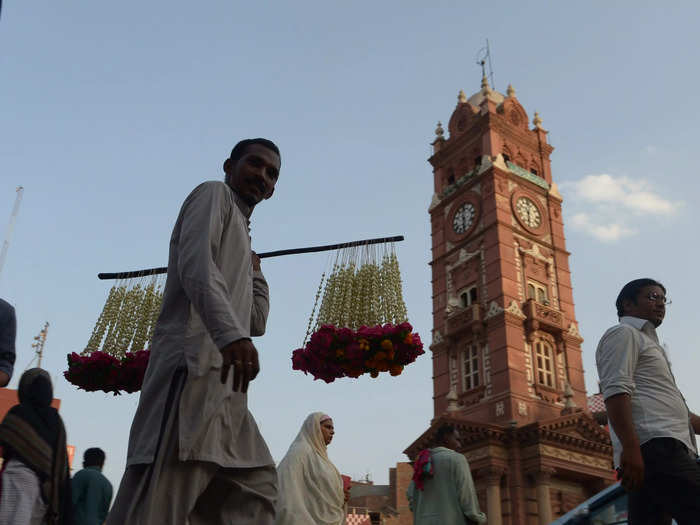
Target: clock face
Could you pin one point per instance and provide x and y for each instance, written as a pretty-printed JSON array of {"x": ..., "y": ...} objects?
[
  {"x": 464, "y": 218},
  {"x": 528, "y": 212}
]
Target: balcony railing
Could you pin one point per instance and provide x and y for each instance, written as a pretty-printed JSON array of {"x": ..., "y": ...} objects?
[{"x": 540, "y": 316}]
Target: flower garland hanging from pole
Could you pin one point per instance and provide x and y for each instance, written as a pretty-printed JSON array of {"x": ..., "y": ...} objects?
[{"x": 361, "y": 325}]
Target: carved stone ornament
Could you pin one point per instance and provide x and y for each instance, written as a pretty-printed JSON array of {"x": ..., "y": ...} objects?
[
  {"x": 494, "y": 310},
  {"x": 522, "y": 408},
  {"x": 500, "y": 409},
  {"x": 535, "y": 253},
  {"x": 486, "y": 163},
  {"x": 437, "y": 337},
  {"x": 500, "y": 163},
  {"x": 515, "y": 310},
  {"x": 573, "y": 331},
  {"x": 434, "y": 202}
]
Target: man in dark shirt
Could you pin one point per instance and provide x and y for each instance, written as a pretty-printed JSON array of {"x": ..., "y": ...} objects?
[
  {"x": 90, "y": 490},
  {"x": 8, "y": 332}
]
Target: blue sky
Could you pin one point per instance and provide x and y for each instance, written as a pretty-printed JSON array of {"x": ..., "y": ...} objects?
[{"x": 112, "y": 113}]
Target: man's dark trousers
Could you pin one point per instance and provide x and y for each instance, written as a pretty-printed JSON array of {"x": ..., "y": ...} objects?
[{"x": 671, "y": 486}]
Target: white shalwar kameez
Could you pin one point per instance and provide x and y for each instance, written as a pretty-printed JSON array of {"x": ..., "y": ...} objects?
[{"x": 195, "y": 453}]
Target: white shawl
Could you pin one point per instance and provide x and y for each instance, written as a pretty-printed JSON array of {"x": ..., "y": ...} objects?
[{"x": 310, "y": 487}]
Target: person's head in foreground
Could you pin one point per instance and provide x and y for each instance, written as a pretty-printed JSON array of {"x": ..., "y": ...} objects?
[
  {"x": 448, "y": 436},
  {"x": 644, "y": 299},
  {"x": 94, "y": 457},
  {"x": 252, "y": 169}
]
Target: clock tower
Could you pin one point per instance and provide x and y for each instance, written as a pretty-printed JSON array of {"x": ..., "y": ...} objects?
[
  {"x": 507, "y": 367},
  {"x": 505, "y": 336}
]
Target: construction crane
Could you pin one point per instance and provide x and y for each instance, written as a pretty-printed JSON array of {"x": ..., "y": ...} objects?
[
  {"x": 10, "y": 227},
  {"x": 38, "y": 344}
]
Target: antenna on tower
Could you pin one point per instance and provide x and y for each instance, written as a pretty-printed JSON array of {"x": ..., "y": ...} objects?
[
  {"x": 483, "y": 58},
  {"x": 10, "y": 227}
]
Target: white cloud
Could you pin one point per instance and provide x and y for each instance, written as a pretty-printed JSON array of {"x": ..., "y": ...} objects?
[
  {"x": 606, "y": 232},
  {"x": 612, "y": 204},
  {"x": 633, "y": 194}
]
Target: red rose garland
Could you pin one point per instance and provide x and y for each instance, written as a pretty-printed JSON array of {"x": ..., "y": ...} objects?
[
  {"x": 334, "y": 352},
  {"x": 103, "y": 371}
]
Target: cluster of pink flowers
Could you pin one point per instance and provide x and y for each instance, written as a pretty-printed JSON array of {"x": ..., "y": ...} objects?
[
  {"x": 103, "y": 371},
  {"x": 341, "y": 352}
]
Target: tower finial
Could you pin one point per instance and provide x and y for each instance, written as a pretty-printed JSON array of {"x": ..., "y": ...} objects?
[
  {"x": 485, "y": 82},
  {"x": 537, "y": 121},
  {"x": 511, "y": 90},
  {"x": 461, "y": 96},
  {"x": 569, "y": 404},
  {"x": 451, "y": 397},
  {"x": 439, "y": 132}
]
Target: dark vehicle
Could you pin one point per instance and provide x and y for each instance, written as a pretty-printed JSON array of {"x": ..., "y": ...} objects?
[{"x": 608, "y": 507}]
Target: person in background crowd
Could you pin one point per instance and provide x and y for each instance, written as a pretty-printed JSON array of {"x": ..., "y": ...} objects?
[
  {"x": 35, "y": 483},
  {"x": 311, "y": 490},
  {"x": 442, "y": 490},
  {"x": 91, "y": 491},
  {"x": 8, "y": 333}
]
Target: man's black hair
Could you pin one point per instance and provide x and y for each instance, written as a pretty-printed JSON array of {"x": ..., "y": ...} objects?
[
  {"x": 94, "y": 457},
  {"x": 239, "y": 149},
  {"x": 631, "y": 290},
  {"x": 443, "y": 431}
]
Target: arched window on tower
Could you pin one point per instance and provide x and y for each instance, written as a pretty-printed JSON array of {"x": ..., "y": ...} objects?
[
  {"x": 470, "y": 367},
  {"x": 537, "y": 292},
  {"x": 468, "y": 296},
  {"x": 544, "y": 361},
  {"x": 506, "y": 157}
]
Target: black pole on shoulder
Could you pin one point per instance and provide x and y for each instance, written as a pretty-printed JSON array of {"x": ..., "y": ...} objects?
[{"x": 265, "y": 255}]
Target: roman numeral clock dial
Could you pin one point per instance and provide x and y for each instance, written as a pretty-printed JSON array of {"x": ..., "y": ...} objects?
[
  {"x": 464, "y": 218},
  {"x": 528, "y": 212}
]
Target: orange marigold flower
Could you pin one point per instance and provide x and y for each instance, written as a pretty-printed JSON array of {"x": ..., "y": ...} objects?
[
  {"x": 339, "y": 352},
  {"x": 387, "y": 345},
  {"x": 380, "y": 356},
  {"x": 408, "y": 339},
  {"x": 396, "y": 370},
  {"x": 383, "y": 366}
]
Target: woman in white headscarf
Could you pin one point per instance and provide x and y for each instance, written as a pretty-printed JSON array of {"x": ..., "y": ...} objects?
[{"x": 310, "y": 487}]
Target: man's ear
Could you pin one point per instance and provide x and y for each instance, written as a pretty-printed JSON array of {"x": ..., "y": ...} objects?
[
  {"x": 227, "y": 166},
  {"x": 270, "y": 194},
  {"x": 626, "y": 303}
]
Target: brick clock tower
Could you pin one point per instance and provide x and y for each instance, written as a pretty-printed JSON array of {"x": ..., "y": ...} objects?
[{"x": 507, "y": 367}]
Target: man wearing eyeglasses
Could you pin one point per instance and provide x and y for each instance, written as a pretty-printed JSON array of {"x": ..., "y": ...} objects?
[{"x": 652, "y": 429}]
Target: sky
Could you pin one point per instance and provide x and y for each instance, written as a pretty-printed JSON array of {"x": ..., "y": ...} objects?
[{"x": 112, "y": 112}]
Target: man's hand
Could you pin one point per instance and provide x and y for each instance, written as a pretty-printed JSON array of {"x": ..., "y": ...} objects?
[
  {"x": 244, "y": 358},
  {"x": 631, "y": 468},
  {"x": 4, "y": 378},
  {"x": 256, "y": 261}
]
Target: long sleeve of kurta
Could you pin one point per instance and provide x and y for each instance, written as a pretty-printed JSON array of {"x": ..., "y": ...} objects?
[
  {"x": 261, "y": 305},
  {"x": 204, "y": 218}
]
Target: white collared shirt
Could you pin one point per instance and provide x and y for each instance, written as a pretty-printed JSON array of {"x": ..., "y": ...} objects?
[{"x": 631, "y": 361}]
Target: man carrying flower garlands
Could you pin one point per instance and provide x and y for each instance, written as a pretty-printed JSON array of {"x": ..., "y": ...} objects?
[
  {"x": 442, "y": 489},
  {"x": 195, "y": 453}
]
